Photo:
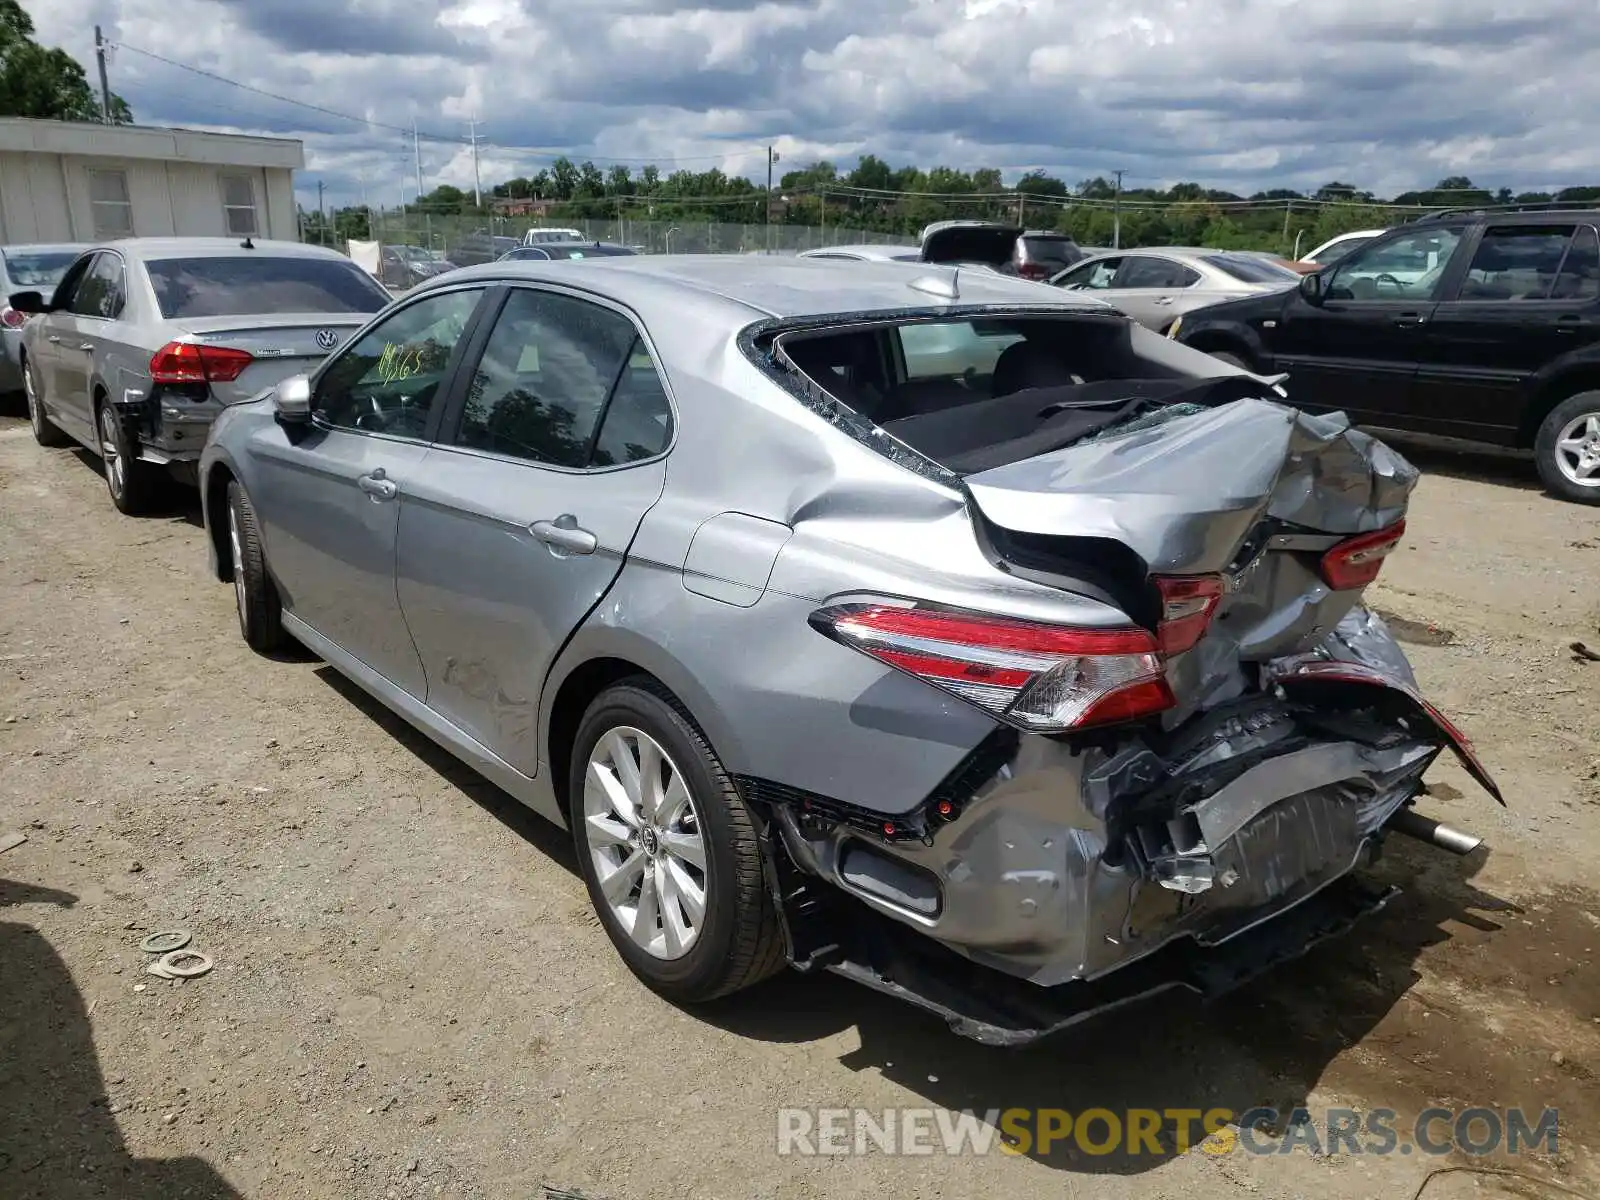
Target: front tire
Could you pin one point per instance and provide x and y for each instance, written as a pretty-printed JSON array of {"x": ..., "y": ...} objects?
[
  {"x": 1567, "y": 449},
  {"x": 668, "y": 849},
  {"x": 44, "y": 430},
  {"x": 133, "y": 484},
  {"x": 254, "y": 593}
]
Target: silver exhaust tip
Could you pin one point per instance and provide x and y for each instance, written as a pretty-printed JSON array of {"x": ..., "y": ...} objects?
[{"x": 1435, "y": 833}]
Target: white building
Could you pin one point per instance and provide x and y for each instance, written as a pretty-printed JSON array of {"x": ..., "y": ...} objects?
[{"x": 69, "y": 181}]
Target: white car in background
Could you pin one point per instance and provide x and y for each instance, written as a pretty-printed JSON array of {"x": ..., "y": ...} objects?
[
  {"x": 536, "y": 236},
  {"x": 1338, "y": 247}
]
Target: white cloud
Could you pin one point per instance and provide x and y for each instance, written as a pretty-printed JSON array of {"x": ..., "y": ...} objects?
[{"x": 1235, "y": 93}]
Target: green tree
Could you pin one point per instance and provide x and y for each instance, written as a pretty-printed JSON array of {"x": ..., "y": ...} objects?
[{"x": 46, "y": 83}]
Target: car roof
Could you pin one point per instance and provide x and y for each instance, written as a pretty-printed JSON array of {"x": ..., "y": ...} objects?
[
  {"x": 787, "y": 287},
  {"x": 146, "y": 248},
  {"x": 872, "y": 250}
]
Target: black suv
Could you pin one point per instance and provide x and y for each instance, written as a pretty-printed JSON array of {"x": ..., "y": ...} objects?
[{"x": 1483, "y": 326}]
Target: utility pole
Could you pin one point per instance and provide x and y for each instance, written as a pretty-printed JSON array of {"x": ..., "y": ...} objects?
[
  {"x": 105, "y": 83},
  {"x": 772, "y": 157},
  {"x": 1022, "y": 208},
  {"x": 1288, "y": 208},
  {"x": 322, "y": 215},
  {"x": 416, "y": 150},
  {"x": 477, "y": 182},
  {"x": 1116, "y": 213}
]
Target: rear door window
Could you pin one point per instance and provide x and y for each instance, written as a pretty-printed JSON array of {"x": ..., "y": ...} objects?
[
  {"x": 1248, "y": 269},
  {"x": 951, "y": 350},
  {"x": 1580, "y": 274},
  {"x": 254, "y": 283},
  {"x": 540, "y": 389},
  {"x": 1512, "y": 263},
  {"x": 1145, "y": 271}
]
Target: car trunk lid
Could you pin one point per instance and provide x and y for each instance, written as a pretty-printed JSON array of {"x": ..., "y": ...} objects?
[
  {"x": 1252, "y": 493},
  {"x": 279, "y": 345},
  {"x": 991, "y": 244}
]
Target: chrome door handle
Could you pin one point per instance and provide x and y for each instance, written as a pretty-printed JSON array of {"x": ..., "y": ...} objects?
[
  {"x": 378, "y": 485},
  {"x": 563, "y": 534},
  {"x": 89, "y": 346},
  {"x": 1163, "y": 299},
  {"x": 53, "y": 339}
]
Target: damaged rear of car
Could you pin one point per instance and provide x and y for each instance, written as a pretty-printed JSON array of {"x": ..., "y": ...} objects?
[{"x": 1196, "y": 733}]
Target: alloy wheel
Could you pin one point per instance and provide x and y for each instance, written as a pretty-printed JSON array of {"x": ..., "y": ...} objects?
[
  {"x": 1578, "y": 450},
  {"x": 645, "y": 840},
  {"x": 111, "y": 449}
]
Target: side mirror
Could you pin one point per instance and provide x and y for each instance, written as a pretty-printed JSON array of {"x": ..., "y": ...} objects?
[
  {"x": 291, "y": 400},
  {"x": 1311, "y": 288},
  {"x": 28, "y": 302}
]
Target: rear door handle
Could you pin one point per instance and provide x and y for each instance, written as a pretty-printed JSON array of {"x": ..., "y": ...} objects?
[
  {"x": 1163, "y": 299},
  {"x": 89, "y": 346},
  {"x": 1568, "y": 324},
  {"x": 563, "y": 534},
  {"x": 378, "y": 485},
  {"x": 1410, "y": 320},
  {"x": 53, "y": 339}
]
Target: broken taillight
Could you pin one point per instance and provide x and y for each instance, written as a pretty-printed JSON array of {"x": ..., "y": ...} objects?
[
  {"x": 1187, "y": 602},
  {"x": 195, "y": 362},
  {"x": 11, "y": 318},
  {"x": 1043, "y": 678},
  {"x": 1355, "y": 562}
]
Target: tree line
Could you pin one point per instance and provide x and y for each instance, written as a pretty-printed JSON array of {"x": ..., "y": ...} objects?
[{"x": 874, "y": 196}]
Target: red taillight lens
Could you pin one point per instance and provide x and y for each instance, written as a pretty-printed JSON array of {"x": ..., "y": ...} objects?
[
  {"x": 11, "y": 318},
  {"x": 1033, "y": 271},
  {"x": 1187, "y": 602},
  {"x": 191, "y": 362},
  {"x": 1355, "y": 562},
  {"x": 1046, "y": 678}
]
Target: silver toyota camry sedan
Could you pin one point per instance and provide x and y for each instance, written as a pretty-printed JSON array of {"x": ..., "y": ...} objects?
[
  {"x": 144, "y": 340},
  {"x": 1016, "y": 686}
]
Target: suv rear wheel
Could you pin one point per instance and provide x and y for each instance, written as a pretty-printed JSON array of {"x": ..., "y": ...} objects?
[{"x": 1567, "y": 450}]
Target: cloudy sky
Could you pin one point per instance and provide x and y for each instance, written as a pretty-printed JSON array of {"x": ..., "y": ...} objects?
[{"x": 1244, "y": 94}]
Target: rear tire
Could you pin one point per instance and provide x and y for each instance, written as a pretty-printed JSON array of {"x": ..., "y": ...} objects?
[
  {"x": 1567, "y": 449},
  {"x": 647, "y": 859},
  {"x": 1233, "y": 360},
  {"x": 44, "y": 430},
  {"x": 254, "y": 593},
  {"x": 133, "y": 484}
]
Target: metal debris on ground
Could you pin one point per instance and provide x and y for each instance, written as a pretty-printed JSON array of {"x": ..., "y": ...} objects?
[
  {"x": 180, "y": 964},
  {"x": 1582, "y": 652},
  {"x": 10, "y": 841},
  {"x": 166, "y": 942}
]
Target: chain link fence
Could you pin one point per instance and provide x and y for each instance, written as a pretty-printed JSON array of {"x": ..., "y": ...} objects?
[{"x": 441, "y": 232}]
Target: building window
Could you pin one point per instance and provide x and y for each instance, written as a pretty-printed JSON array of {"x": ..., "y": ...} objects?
[
  {"x": 109, "y": 203},
  {"x": 239, "y": 205}
]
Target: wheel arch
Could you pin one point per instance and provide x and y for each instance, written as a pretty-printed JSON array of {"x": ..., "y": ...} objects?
[
  {"x": 601, "y": 657},
  {"x": 1227, "y": 338},
  {"x": 213, "y": 506},
  {"x": 1547, "y": 393}
]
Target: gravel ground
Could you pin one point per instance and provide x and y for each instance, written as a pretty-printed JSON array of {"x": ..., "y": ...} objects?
[{"x": 411, "y": 997}]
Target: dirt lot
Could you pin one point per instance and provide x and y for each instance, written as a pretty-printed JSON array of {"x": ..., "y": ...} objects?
[{"x": 411, "y": 998}]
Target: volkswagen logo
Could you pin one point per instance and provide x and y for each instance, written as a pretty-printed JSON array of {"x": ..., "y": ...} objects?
[{"x": 327, "y": 339}]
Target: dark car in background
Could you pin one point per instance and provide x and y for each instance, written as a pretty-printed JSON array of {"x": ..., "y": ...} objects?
[
  {"x": 26, "y": 268},
  {"x": 478, "y": 248},
  {"x": 402, "y": 267},
  {"x": 546, "y": 251},
  {"x": 1483, "y": 326},
  {"x": 1009, "y": 249}
]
